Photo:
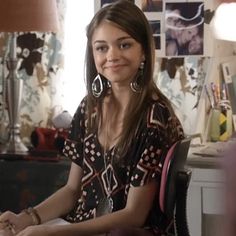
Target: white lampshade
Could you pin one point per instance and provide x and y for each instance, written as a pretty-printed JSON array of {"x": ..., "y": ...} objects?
[{"x": 224, "y": 22}]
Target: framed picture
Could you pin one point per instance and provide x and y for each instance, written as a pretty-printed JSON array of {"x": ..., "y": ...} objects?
[{"x": 184, "y": 28}]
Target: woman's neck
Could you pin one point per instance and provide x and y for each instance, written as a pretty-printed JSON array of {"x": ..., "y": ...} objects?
[
  {"x": 110, "y": 128},
  {"x": 119, "y": 97}
]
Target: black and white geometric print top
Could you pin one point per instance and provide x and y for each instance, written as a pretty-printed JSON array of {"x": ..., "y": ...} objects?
[{"x": 159, "y": 130}]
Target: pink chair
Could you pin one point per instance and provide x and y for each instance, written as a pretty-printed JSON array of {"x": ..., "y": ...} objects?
[{"x": 174, "y": 186}]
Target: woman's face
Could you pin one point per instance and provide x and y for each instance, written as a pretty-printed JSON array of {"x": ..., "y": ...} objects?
[
  {"x": 116, "y": 54},
  {"x": 186, "y": 35},
  {"x": 195, "y": 45}
]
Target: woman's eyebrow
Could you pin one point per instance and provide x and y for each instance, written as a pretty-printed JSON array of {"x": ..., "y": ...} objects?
[
  {"x": 119, "y": 39},
  {"x": 99, "y": 41},
  {"x": 123, "y": 38}
]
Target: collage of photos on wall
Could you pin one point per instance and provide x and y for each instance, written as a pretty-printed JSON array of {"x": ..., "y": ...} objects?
[{"x": 178, "y": 26}]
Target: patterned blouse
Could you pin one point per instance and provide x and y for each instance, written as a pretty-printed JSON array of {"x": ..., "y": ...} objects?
[{"x": 158, "y": 131}]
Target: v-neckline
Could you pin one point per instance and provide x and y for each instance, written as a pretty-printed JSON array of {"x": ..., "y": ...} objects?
[{"x": 101, "y": 147}]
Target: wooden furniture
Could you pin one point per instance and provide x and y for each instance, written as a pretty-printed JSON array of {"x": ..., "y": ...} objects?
[
  {"x": 24, "y": 183},
  {"x": 205, "y": 203}
]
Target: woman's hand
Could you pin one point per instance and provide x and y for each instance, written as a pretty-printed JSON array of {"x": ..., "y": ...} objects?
[
  {"x": 6, "y": 227},
  {"x": 8, "y": 220},
  {"x": 6, "y": 232},
  {"x": 11, "y": 223}
]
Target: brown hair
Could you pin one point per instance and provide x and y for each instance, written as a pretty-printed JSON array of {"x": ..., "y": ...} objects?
[{"x": 127, "y": 16}]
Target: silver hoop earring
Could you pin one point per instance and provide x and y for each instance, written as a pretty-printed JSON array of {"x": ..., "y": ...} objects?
[
  {"x": 100, "y": 85},
  {"x": 136, "y": 84}
]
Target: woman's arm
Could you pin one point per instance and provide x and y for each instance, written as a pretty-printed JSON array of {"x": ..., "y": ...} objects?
[
  {"x": 62, "y": 201},
  {"x": 139, "y": 203}
]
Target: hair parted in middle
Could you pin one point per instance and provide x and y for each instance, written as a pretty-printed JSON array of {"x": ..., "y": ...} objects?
[{"x": 128, "y": 17}]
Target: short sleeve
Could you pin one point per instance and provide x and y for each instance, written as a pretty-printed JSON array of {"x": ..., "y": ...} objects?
[
  {"x": 73, "y": 147},
  {"x": 162, "y": 129}
]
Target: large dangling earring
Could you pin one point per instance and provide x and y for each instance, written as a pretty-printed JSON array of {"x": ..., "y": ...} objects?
[
  {"x": 100, "y": 85},
  {"x": 136, "y": 84}
]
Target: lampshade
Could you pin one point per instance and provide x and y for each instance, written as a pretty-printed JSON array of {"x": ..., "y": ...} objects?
[
  {"x": 28, "y": 15},
  {"x": 224, "y": 21}
]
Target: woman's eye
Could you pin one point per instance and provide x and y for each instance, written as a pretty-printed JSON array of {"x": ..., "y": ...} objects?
[
  {"x": 125, "y": 45},
  {"x": 101, "y": 48}
]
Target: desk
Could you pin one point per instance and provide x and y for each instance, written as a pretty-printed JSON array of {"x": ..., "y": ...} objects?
[
  {"x": 205, "y": 203},
  {"x": 26, "y": 183}
]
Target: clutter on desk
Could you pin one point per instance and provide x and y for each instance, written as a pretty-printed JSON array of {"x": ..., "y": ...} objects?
[
  {"x": 221, "y": 123},
  {"x": 213, "y": 149},
  {"x": 49, "y": 142}
]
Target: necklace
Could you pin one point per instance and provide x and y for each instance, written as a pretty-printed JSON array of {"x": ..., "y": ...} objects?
[{"x": 105, "y": 205}]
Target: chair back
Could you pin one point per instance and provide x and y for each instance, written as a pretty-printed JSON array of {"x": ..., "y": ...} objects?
[{"x": 174, "y": 162}]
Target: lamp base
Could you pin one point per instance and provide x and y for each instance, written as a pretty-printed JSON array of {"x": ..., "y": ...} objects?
[
  {"x": 12, "y": 156},
  {"x": 14, "y": 146}
]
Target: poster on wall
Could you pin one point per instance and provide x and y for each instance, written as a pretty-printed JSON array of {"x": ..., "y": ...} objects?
[
  {"x": 101, "y": 3},
  {"x": 182, "y": 80},
  {"x": 153, "y": 10},
  {"x": 184, "y": 28},
  {"x": 156, "y": 30},
  {"x": 151, "y": 5},
  {"x": 145, "y": 5}
]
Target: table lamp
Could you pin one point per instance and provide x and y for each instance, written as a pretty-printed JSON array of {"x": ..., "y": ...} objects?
[{"x": 21, "y": 16}]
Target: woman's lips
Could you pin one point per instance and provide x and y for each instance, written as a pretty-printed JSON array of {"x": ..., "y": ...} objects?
[{"x": 114, "y": 67}]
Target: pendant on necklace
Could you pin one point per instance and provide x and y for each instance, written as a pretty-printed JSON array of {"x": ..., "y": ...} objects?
[{"x": 105, "y": 206}]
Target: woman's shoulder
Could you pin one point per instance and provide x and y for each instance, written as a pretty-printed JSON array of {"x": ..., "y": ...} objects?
[
  {"x": 161, "y": 117},
  {"x": 82, "y": 105},
  {"x": 160, "y": 113},
  {"x": 81, "y": 110},
  {"x": 157, "y": 108}
]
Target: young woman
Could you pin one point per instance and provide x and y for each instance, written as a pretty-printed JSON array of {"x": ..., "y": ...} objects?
[{"x": 118, "y": 140}]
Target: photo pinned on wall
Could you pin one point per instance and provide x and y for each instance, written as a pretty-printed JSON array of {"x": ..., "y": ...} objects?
[
  {"x": 102, "y": 3},
  {"x": 184, "y": 28},
  {"x": 105, "y": 2},
  {"x": 156, "y": 29},
  {"x": 151, "y": 5},
  {"x": 157, "y": 42},
  {"x": 156, "y": 26}
]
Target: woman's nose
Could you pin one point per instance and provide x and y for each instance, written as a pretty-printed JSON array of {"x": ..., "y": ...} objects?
[{"x": 113, "y": 54}]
